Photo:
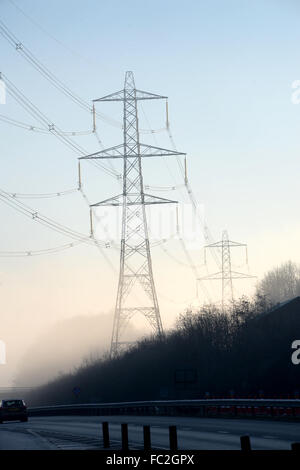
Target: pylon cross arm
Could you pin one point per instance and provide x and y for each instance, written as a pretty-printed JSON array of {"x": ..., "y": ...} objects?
[
  {"x": 134, "y": 200},
  {"x": 134, "y": 151},
  {"x": 131, "y": 95}
]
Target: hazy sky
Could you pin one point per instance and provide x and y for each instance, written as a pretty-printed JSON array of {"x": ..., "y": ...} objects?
[{"x": 227, "y": 68}]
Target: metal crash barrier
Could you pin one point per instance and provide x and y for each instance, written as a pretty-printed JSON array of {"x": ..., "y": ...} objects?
[{"x": 218, "y": 408}]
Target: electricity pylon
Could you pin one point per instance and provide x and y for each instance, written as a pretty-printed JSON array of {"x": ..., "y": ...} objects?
[
  {"x": 135, "y": 259},
  {"x": 226, "y": 275}
]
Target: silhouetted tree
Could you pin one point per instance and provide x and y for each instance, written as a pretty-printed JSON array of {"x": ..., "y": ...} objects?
[{"x": 281, "y": 283}]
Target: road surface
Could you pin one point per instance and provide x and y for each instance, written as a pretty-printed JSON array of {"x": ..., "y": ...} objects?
[{"x": 85, "y": 432}]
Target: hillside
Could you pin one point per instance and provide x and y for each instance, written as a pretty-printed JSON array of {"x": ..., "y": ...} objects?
[{"x": 243, "y": 352}]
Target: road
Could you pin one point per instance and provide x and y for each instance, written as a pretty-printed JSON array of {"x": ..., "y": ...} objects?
[{"x": 84, "y": 432}]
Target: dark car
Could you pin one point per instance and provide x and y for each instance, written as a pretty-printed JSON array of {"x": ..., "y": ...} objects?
[{"x": 11, "y": 410}]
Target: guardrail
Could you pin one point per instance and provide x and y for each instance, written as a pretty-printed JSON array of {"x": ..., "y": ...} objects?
[{"x": 233, "y": 408}]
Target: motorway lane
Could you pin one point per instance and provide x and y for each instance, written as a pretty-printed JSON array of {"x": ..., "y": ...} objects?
[
  {"x": 79, "y": 432},
  {"x": 10, "y": 440}
]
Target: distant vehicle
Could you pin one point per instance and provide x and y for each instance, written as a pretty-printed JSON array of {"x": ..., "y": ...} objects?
[{"x": 12, "y": 410}]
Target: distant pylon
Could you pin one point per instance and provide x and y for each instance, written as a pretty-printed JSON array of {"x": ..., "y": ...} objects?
[
  {"x": 226, "y": 275},
  {"x": 135, "y": 259}
]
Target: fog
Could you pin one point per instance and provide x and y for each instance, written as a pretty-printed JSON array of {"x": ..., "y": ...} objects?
[{"x": 64, "y": 346}]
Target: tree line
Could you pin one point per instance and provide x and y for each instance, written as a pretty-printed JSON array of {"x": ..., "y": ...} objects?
[{"x": 242, "y": 351}]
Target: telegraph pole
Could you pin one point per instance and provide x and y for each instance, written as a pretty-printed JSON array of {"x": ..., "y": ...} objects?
[
  {"x": 135, "y": 272},
  {"x": 226, "y": 274}
]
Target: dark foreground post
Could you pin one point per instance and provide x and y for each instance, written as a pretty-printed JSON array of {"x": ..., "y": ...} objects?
[
  {"x": 124, "y": 429},
  {"x": 245, "y": 443},
  {"x": 296, "y": 447},
  {"x": 105, "y": 435},
  {"x": 173, "y": 438},
  {"x": 147, "y": 438}
]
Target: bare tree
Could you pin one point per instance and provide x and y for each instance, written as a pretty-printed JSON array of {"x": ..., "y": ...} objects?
[{"x": 281, "y": 283}]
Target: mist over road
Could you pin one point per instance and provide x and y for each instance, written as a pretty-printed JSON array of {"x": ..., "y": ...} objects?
[{"x": 84, "y": 432}]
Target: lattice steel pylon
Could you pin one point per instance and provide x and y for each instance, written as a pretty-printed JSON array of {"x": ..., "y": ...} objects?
[
  {"x": 226, "y": 275},
  {"x": 136, "y": 272}
]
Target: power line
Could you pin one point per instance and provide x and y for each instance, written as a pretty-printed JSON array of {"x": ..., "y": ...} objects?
[
  {"x": 33, "y": 21},
  {"x": 32, "y": 109},
  {"x": 48, "y": 75},
  {"x": 61, "y": 135},
  {"x": 42, "y": 117},
  {"x": 41, "y": 130},
  {"x": 55, "y": 81},
  {"x": 206, "y": 232},
  {"x": 42, "y": 195},
  {"x": 190, "y": 261},
  {"x": 26, "y": 53},
  {"x": 46, "y": 251},
  {"x": 98, "y": 246},
  {"x": 41, "y": 219}
]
